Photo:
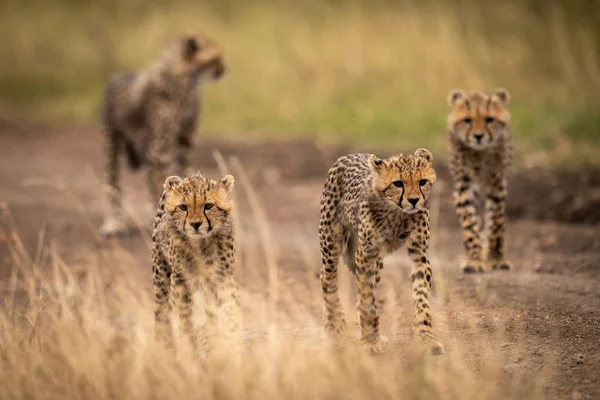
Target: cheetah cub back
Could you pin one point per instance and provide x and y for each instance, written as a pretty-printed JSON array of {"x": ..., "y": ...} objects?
[
  {"x": 194, "y": 246},
  {"x": 481, "y": 154},
  {"x": 371, "y": 207}
]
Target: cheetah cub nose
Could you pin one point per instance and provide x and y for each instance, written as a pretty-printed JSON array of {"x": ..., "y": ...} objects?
[
  {"x": 478, "y": 136},
  {"x": 195, "y": 225},
  {"x": 413, "y": 201}
]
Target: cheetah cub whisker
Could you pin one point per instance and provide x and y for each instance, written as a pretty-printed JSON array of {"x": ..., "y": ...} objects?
[
  {"x": 482, "y": 150},
  {"x": 371, "y": 207},
  {"x": 151, "y": 117},
  {"x": 193, "y": 246}
]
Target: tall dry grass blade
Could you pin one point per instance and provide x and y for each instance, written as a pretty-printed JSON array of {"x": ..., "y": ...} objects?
[
  {"x": 434, "y": 216},
  {"x": 239, "y": 235},
  {"x": 8, "y": 233},
  {"x": 262, "y": 226}
]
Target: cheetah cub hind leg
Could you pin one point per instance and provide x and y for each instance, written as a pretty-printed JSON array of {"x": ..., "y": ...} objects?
[{"x": 114, "y": 225}]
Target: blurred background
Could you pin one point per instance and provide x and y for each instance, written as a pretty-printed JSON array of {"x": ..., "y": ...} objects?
[{"x": 370, "y": 72}]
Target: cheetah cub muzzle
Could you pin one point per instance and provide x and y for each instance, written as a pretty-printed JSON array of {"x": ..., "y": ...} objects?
[
  {"x": 482, "y": 150},
  {"x": 371, "y": 207},
  {"x": 193, "y": 246}
]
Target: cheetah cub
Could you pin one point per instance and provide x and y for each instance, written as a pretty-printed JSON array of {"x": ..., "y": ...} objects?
[
  {"x": 151, "y": 117},
  {"x": 482, "y": 150},
  {"x": 371, "y": 207},
  {"x": 193, "y": 245}
]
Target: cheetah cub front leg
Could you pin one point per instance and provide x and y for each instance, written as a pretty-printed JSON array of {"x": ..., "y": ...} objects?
[
  {"x": 495, "y": 209},
  {"x": 368, "y": 262},
  {"x": 465, "y": 198},
  {"x": 421, "y": 275}
]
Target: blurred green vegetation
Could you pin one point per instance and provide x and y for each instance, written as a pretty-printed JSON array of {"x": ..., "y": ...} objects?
[{"x": 368, "y": 72}]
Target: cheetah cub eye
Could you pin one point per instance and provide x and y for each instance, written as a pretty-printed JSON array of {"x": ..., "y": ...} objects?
[
  {"x": 423, "y": 182},
  {"x": 182, "y": 207},
  {"x": 208, "y": 206},
  {"x": 399, "y": 184}
]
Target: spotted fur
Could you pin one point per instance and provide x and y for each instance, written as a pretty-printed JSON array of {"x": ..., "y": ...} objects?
[
  {"x": 481, "y": 146},
  {"x": 193, "y": 245},
  {"x": 371, "y": 207},
  {"x": 151, "y": 116}
]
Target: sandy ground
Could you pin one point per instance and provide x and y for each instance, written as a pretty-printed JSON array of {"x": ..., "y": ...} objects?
[{"x": 538, "y": 324}]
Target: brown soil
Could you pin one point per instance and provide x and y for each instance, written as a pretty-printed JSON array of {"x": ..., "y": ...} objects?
[{"x": 541, "y": 321}]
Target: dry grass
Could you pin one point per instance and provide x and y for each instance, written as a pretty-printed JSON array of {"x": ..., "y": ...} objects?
[
  {"x": 378, "y": 74},
  {"x": 86, "y": 332}
]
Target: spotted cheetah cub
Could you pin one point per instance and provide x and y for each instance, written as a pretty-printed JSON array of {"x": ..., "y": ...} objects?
[
  {"x": 371, "y": 207},
  {"x": 151, "y": 117},
  {"x": 482, "y": 150},
  {"x": 194, "y": 245}
]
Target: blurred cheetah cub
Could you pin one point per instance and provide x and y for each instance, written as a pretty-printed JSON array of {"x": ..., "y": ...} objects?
[
  {"x": 369, "y": 208},
  {"x": 151, "y": 116},
  {"x": 193, "y": 245},
  {"x": 482, "y": 151}
]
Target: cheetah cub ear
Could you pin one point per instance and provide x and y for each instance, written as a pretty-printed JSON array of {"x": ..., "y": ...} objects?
[
  {"x": 171, "y": 182},
  {"x": 455, "y": 95},
  {"x": 190, "y": 47},
  {"x": 227, "y": 183},
  {"x": 425, "y": 154},
  {"x": 376, "y": 164},
  {"x": 503, "y": 95}
]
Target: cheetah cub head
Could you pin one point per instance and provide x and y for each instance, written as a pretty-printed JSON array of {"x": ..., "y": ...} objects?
[
  {"x": 199, "y": 207},
  {"x": 404, "y": 179},
  {"x": 478, "y": 119},
  {"x": 196, "y": 55}
]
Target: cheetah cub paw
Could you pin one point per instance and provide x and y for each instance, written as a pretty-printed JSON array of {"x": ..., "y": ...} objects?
[
  {"x": 432, "y": 346},
  {"x": 113, "y": 226},
  {"x": 502, "y": 264},
  {"x": 374, "y": 349},
  {"x": 472, "y": 267}
]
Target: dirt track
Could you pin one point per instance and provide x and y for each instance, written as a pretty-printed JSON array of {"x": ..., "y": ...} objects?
[{"x": 540, "y": 322}]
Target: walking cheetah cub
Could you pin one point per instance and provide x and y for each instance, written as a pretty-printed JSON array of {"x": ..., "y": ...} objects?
[
  {"x": 151, "y": 116},
  {"x": 371, "y": 207},
  {"x": 193, "y": 245},
  {"x": 482, "y": 150}
]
